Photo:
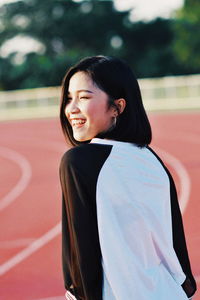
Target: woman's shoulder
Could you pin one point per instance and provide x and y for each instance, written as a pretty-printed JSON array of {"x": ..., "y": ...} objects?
[{"x": 85, "y": 153}]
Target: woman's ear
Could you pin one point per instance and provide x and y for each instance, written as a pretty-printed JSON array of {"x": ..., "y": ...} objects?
[{"x": 121, "y": 104}]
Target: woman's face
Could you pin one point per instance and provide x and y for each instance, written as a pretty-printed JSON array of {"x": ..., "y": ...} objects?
[{"x": 87, "y": 109}]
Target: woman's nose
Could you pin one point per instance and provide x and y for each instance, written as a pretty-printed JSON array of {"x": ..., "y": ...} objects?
[{"x": 72, "y": 107}]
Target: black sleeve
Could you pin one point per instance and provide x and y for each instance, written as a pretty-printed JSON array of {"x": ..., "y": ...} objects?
[
  {"x": 81, "y": 255},
  {"x": 179, "y": 242}
]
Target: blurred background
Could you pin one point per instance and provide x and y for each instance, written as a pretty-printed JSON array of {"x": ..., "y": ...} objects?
[{"x": 39, "y": 41}]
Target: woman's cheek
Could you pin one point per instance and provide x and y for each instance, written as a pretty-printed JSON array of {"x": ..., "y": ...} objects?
[
  {"x": 90, "y": 111},
  {"x": 86, "y": 108}
]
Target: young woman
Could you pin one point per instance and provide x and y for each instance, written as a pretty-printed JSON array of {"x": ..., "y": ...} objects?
[{"x": 122, "y": 231}]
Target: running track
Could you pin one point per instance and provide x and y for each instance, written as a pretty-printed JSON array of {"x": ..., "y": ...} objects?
[{"x": 30, "y": 203}]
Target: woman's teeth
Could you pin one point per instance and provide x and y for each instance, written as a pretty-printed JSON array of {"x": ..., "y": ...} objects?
[{"x": 78, "y": 122}]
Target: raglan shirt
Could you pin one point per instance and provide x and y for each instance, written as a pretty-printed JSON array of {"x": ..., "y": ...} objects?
[{"x": 122, "y": 231}]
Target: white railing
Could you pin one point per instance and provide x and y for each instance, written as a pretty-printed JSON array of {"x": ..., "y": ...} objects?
[
  {"x": 166, "y": 93},
  {"x": 171, "y": 93}
]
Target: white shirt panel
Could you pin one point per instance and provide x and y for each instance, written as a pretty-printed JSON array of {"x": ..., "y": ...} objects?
[{"x": 135, "y": 230}]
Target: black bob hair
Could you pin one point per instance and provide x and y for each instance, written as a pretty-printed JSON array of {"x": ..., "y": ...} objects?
[{"x": 116, "y": 79}]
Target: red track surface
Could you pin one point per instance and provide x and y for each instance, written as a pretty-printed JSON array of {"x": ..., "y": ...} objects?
[{"x": 36, "y": 208}]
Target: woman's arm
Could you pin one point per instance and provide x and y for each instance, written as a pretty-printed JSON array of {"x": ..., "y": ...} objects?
[
  {"x": 179, "y": 242},
  {"x": 81, "y": 252}
]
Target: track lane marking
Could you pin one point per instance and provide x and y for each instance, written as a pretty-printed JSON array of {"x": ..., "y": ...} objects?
[
  {"x": 53, "y": 298},
  {"x": 33, "y": 247},
  {"x": 16, "y": 243},
  {"x": 23, "y": 182},
  {"x": 45, "y": 238},
  {"x": 183, "y": 175}
]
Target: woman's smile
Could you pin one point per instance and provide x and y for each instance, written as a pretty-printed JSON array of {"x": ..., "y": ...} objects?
[{"x": 77, "y": 123}]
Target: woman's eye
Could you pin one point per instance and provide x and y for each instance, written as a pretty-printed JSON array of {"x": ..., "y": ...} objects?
[{"x": 84, "y": 97}]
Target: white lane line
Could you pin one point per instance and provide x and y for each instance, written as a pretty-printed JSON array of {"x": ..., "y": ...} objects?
[
  {"x": 44, "y": 239},
  {"x": 185, "y": 183},
  {"x": 197, "y": 278},
  {"x": 25, "y": 167},
  {"x": 53, "y": 298},
  {"x": 184, "y": 197},
  {"x": 16, "y": 243},
  {"x": 37, "y": 244}
]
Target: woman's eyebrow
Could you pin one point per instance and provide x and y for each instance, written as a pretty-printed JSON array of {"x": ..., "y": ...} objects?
[{"x": 83, "y": 90}]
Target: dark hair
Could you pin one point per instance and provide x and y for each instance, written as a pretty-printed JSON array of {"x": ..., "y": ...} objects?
[{"x": 117, "y": 80}]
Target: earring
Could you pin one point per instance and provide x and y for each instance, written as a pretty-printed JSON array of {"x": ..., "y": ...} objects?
[{"x": 114, "y": 121}]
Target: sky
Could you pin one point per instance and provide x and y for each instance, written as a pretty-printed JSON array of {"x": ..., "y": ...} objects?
[
  {"x": 143, "y": 9},
  {"x": 149, "y": 9}
]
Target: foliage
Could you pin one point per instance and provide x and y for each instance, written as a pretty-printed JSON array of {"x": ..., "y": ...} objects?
[
  {"x": 187, "y": 42},
  {"x": 70, "y": 30}
]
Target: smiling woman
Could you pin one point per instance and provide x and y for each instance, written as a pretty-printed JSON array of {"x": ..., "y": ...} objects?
[
  {"x": 87, "y": 108},
  {"x": 110, "y": 110},
  {"x": 122, "y": 231}
]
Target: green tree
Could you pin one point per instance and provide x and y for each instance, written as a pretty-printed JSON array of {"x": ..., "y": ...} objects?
[
  {"x": 149, "y": 46},
  {"x": 187, "y": 41},
  {"x": 69, "y": 30}
]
